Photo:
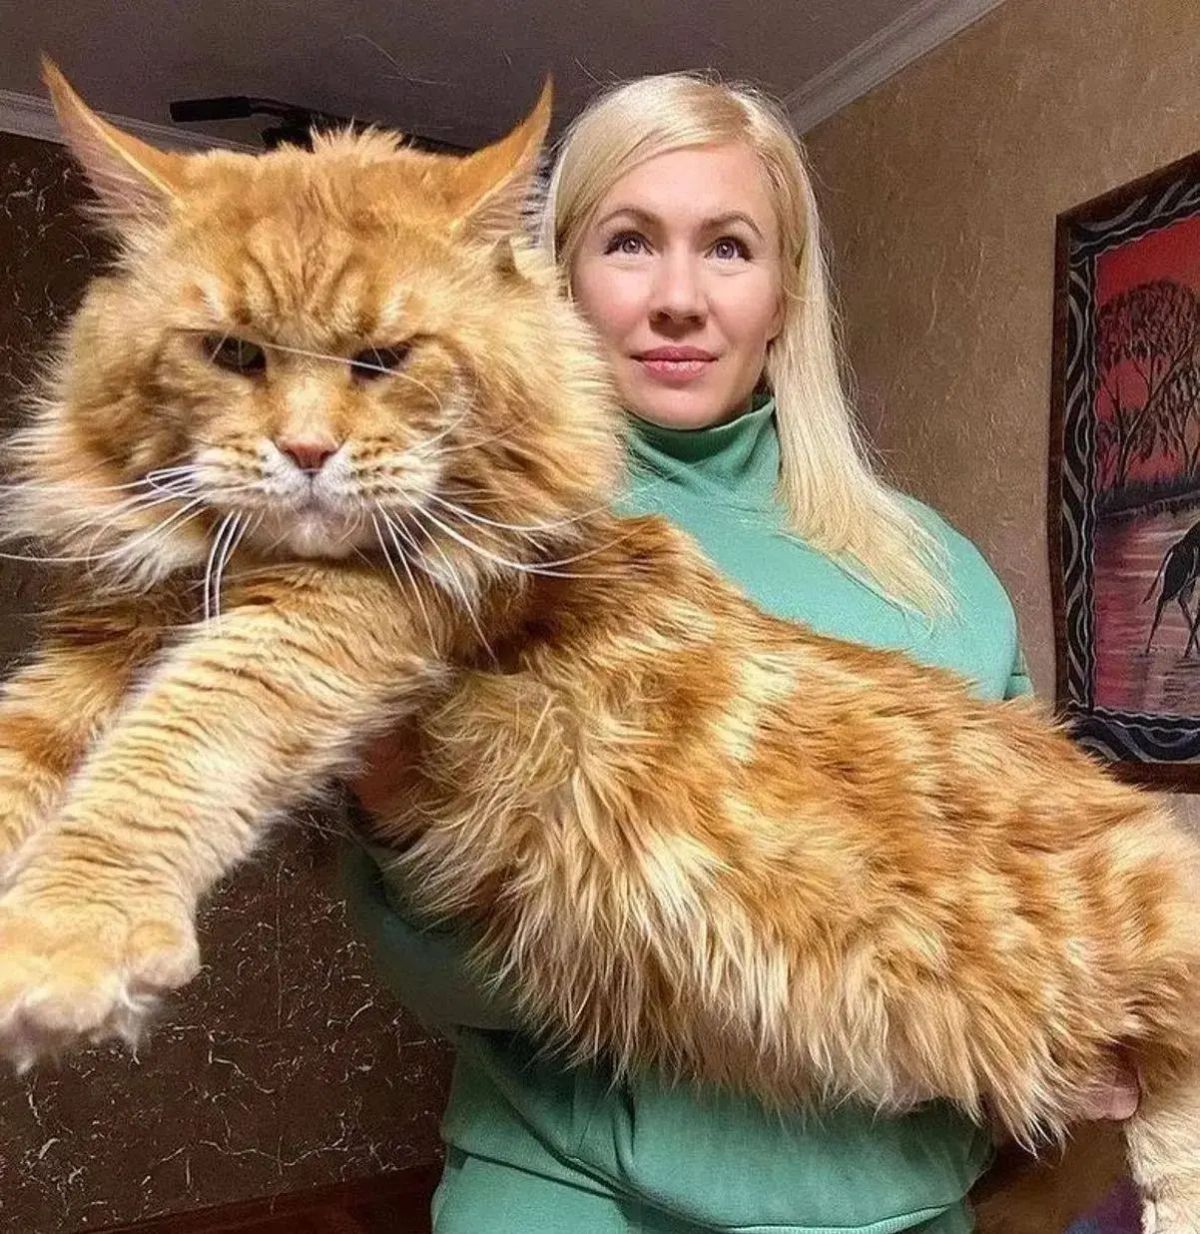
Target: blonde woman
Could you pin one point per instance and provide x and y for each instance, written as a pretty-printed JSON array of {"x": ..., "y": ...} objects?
[{"x": 683, "y": 220}]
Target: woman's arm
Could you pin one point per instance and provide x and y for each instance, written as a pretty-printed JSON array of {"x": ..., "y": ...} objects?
[{"x": 425, "y": 967}]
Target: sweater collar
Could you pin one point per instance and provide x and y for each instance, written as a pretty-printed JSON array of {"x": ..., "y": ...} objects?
[{"x": 736, "y": 462}]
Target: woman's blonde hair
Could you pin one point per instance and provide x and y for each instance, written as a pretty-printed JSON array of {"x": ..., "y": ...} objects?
[{"x": 837, "y": 502}]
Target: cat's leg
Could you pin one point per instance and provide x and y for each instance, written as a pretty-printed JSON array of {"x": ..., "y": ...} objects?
[
  {"x": 1164, "y": 1151},
  {"x": 240, "y": 721},
  {"x": 55, "y": 706}
]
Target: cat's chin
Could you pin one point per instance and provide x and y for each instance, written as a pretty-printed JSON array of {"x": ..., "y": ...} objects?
[{"x": 311, "y": 534}]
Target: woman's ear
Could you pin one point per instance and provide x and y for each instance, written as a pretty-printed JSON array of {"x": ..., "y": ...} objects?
[{"x": 780, "y": 316}]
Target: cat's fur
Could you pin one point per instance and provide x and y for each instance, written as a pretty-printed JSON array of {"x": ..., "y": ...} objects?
[{"x": 690, "y": 835}]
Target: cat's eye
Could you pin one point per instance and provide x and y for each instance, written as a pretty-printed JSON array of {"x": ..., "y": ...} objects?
[
  {"x": 375, "y": 362},
  {"x": 238, "y": 355}
]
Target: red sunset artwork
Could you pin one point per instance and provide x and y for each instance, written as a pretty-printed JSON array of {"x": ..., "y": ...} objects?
[{"x": 1146, "y": 473}]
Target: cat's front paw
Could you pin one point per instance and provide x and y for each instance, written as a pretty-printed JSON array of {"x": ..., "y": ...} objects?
[{"x": 73, "y": 973}]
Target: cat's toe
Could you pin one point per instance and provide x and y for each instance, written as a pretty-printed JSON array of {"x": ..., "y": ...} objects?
[
  {"x": 68, "y": 977},
  {"x": 160, "y": 954}
]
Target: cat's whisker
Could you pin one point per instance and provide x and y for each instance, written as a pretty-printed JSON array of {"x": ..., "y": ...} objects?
[
  {"x": 427, "y": 444},
  {"x": 108, "y": 520},
  {"x": 456, "y": 580},
  {"x": 433, "y": 394},
  {"x": 232, "y": 541},
  {"x": 473, "y": 497},
  {"x": 173, "y": 477},
  {"x": 224, "y": 548},
  {"x": 146, "y": 498},
  {"x": 474, "y": 443},
  {"x": 320, "y": 355},
  {"x": 203, "y": 497},
  {"x": 212, "y": 599},
  {"x": 400, "y": 528},
  {"x": 108, "y": 554},
  {"x": 138, "y": 503},
  {"x": 544, "y": 567},
  {"x": 414, "y": 549},
  {"x": 167, "y": 485},
  {"x": 416, "y": 588},
  {"x": 173, "y": 521},
  {"x": 76, "y": 486},
  {"x": 462, "y": 512},
  {"x": 83, "y": 473}
]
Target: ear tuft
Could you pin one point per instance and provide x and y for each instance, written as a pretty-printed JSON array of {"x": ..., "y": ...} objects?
[
  {"x": 134, "y": 180},
  {"x": 494, "y": 184}
]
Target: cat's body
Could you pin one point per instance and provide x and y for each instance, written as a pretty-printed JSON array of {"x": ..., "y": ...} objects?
[
  {"x": 694, "y": 836},
  {"x": 690, "y": 835}
]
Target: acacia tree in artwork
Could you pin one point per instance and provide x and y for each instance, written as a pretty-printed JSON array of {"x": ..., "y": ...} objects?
[
  {"x": 1147, "y": 343},
  {"x": 1178, "y": 421}
]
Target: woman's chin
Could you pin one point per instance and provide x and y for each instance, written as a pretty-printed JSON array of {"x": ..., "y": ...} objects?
[{"x": 686, "y": 410}]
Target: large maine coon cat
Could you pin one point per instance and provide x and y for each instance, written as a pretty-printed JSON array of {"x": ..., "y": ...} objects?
[{"x": 331, "y": 453}]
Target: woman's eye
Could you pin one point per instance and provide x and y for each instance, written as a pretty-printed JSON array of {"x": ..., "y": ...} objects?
[
  {"x": 627, "y": 242},
  {"x": 729, "y": 247},
  {"x": 238, "y": 355},
  {"x": 375, "y": 362}
]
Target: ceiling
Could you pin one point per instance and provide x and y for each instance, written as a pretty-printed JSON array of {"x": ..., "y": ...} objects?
[{"x": 459, "y": 71}]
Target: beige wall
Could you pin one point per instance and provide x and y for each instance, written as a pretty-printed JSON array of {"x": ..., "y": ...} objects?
[{"x": 940, "y": 191}]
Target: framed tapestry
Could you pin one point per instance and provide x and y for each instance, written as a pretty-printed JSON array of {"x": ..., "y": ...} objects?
[{"x": 1124, "y": 501}]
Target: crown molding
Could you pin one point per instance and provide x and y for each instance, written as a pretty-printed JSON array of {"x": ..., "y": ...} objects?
[
  {"x": 30, "y": 116},
  {"x": 922, "y": 28}
]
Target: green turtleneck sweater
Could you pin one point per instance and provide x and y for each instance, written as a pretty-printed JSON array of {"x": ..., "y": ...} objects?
[{"x": 535, "y": 1149}]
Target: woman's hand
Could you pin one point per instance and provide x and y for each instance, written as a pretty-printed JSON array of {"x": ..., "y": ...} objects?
[
  {"x": 1115, "y": 1093},
  {"x": 375, "y": 785}
]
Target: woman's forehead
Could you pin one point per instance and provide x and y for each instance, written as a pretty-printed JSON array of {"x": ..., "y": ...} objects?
[{"x": 694, "y": 186}]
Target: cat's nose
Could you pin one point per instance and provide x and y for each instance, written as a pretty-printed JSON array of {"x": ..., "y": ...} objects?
[{"x": 308, "y": 453}]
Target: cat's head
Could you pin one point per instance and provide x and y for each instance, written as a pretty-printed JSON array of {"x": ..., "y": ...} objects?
[{"x": 313, "y": 354}]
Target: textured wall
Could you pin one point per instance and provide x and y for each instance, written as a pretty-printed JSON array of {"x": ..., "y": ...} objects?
[
  {"x": 940, "y": 191},
  {"x": 283, "y": 1066}
]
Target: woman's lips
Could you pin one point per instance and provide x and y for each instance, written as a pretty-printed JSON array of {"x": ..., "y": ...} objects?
[{"x": 675, "y": 366}]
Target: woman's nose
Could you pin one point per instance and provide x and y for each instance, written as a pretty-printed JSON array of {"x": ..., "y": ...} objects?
[{"x": 678, "y": 292}]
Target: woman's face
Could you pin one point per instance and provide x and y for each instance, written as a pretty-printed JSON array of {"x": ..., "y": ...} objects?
[{"x": 679, "y": 271}]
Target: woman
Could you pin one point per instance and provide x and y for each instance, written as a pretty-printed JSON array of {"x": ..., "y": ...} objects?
[{"x": 683, "y": 219}]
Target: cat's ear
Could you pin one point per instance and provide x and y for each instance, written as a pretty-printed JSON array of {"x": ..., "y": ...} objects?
[
  {"x": 494, "y": 184},
  {"x": 133, "y": 180}
]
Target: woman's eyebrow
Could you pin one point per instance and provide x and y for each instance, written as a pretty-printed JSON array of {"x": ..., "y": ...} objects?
[
  {"x": 647, "y": 218},
  {"x": 734, "y": 216}
]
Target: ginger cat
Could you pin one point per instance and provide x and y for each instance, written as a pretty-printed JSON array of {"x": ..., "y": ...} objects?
[{"x": 337, "y": 456}]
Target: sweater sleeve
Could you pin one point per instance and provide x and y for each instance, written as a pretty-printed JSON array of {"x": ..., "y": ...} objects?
[
  {"x": 425, "y": 967},
  {"x": 1019, "y": 681}
]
